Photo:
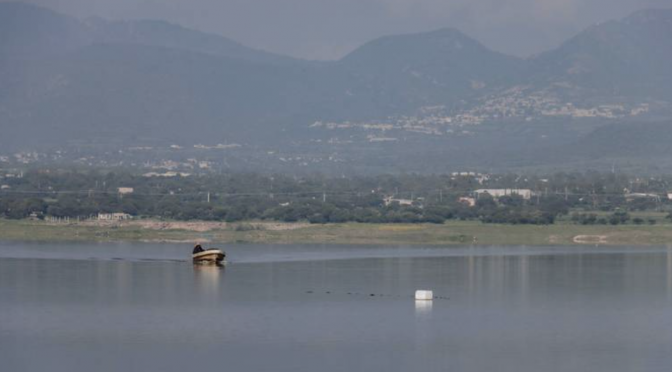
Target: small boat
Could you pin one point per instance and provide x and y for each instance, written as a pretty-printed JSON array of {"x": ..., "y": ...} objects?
[{"x": 209, "y": 257}]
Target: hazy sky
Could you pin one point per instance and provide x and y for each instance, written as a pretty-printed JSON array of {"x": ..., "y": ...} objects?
[{"x": 328, "y": 29}]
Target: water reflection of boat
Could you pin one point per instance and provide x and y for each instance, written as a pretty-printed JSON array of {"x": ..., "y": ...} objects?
[
  {"x": 207, "y": 280},
  {"x": 209, "y": 257}
]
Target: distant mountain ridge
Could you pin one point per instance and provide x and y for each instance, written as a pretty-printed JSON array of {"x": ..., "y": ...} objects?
[
  {"x": 37, "y": 27},
  {"x": 617, "y": 57},
  {"x": 67, "y": 80},
  {"x": 27, "y": 29},
  {"x": 168, "y": 35},
  {"x": 429, "y": 68}
]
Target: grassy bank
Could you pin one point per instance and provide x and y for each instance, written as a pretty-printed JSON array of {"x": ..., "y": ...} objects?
[{"x": 452, "y": 233}]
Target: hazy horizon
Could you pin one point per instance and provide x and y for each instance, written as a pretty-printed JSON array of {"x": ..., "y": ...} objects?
[{"x": 328, "y": 30}]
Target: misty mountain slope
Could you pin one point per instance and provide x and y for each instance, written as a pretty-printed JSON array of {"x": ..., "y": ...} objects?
[
  {"x": 628, "y": 140},
  {"x": 301, "y": 92},
  {"x": 134, "y": 91},
  {"x": 63, "y": 78},
  {"x": 30, "y": 31},
  {"x": 442, "y": 67},
  {"x": 618, "y": 70},
  {"x": 164, "y": 34},
  {"x": 438, "y": 98},
  {"x": 626, "y": 58}
]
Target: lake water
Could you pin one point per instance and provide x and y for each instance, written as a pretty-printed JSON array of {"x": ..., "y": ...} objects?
[{"x": 144, "y": 307}]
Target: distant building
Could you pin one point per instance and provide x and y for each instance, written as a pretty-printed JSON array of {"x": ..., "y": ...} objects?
[
  {"x": 480, "y": 177},
  {"x": 464, "y": 174},
  {"x": 114, "y": 216},
  {"x": 167, "y": 174},
  {"x": 125, "y": 190},
  {"x": 34, "y": 216},
  {"x": 638, "y": 195},
  {"x": 498, "y": 193},
  {"x": 391, "y": 200},
  {"x": 471, "y": 202}
]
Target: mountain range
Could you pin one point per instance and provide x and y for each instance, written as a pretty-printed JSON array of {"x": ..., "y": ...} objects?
[{"x": 438, "y": 97}]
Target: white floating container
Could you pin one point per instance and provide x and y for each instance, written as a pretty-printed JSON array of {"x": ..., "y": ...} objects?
[{"x": 421, "y": 295}]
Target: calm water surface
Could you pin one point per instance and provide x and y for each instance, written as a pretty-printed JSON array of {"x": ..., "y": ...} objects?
[{"x": 114, "y": 307}]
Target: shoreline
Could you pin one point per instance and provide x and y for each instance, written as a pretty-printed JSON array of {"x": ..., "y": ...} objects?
[{"x": 450, "y": 233}]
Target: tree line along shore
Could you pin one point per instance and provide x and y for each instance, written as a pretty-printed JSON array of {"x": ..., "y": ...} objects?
[{"x": 589, "y": 198}]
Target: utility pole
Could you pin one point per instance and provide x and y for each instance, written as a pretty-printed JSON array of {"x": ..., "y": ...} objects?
[
  {"x": 594, "y": 200},
  {"x": 208, "y": 197}
]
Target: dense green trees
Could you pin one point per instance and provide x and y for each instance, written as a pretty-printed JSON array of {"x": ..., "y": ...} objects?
[{"x": 240, "y": 197}]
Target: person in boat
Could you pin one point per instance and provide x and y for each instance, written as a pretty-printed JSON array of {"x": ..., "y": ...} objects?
[{"x": 198, "y": 249}]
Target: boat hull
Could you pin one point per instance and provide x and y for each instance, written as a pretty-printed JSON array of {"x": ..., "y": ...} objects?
[{"x": 212, "y": 256}]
